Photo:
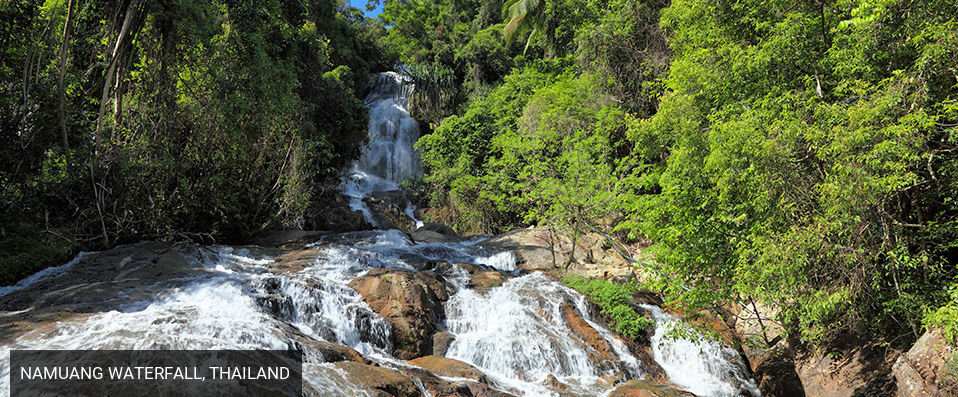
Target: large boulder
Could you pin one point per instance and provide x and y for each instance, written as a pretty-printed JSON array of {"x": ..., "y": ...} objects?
[
  {"x": 928, "y": 368},
  {"x": 388, "y": 209},
  {"x": 540, "y": 248},
  {"x": 411, "y": 301},
  {"x": 331, "y": 212},
  {"x": 599, "y": 349},
  {"x": 642, "y": 388},
  {"x": 431, "y": 232},
  {"x": 378, "y": 381},
  {"x": 482, "y": 278},
  {"x": 449, "y": 368}
]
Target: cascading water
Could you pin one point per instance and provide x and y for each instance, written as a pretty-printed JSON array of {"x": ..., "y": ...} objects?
[
  {"x": 389, "y": 156},
  {"x": 702, "y": 366},
  {"x": 518, "y": 333}
]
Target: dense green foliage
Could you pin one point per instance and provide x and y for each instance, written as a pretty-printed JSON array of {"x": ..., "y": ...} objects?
[
  {"x": 615, "y": 302},
  {"x": 811, "y": 161},
  {"x": 135, "y": 119},
  {"x": 801, "y": 154}
]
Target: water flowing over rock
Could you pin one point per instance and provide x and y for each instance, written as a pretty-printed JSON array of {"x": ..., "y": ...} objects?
[
  {"x": 641, "y": 388},
  {"x": 411, "y": 301},
  {"x": 515, "y": 333},
  {"x": 388, "y": 158},
  {"x": 449, "y": 368},
  {"x": 359, "y": 304},
  {"x": 702, "y": 367}
]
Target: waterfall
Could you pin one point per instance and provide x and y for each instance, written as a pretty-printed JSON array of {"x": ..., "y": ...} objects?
[
  {"x": 389, "y": 157},
  {"x": 701, "y": 366},
  {"x": 519, "y": 333},
  {"x": 515, "y": 334}
]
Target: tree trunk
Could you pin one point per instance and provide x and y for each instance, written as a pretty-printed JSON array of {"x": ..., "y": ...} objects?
[
  {"x": 108, "y": 80},
  {"x": 61, "y": 89}
]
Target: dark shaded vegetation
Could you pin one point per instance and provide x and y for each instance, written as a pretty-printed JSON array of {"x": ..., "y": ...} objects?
[{"x": 133, "y": 119}]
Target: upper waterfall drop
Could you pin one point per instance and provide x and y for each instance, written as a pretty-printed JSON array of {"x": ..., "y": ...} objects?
[{"x": 389, "y": 156}]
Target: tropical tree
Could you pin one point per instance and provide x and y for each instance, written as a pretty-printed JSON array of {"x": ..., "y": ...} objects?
[{"x": 522, "y": 15}]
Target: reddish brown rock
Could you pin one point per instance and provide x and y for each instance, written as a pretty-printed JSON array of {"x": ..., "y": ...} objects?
[
  {"x": 481, "y": 279},
  {"x": 332, "y": 352},
  {"x": 296, "y": 260},
  {"x": 449, "y": 368},
  {"x": 641, "y": 388},
  {"x": 601, "y": 349},
  {"x": 379, "y": 380},
  {"x": 411, "y": 301},
  {"x": 439, "y": 387}
]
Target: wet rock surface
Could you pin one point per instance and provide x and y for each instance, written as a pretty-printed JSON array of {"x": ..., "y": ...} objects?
[
  {"x": 332, "y": 213},
  {"x": 411, "y": 301},
  {"x": 641, "y": 388},
  {"x": 378, "y": 380},
  {"x": 600, "y": 349},
  {"x": 290, "y": 287},
  {"x": 388, "y": 209},
  {"x": 449, "y": 368},
  {"x": 432, "y": 232},
  {"x": 482, "y": 278}
]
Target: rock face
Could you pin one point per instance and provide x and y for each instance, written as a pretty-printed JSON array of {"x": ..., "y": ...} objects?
[
  {"x": 863, "y": 369},
  {"x": 332, "y": 213},
  {"x": 538, "y": 248},
  {"x": 441, "y": 342},
  {"x": 389, "y": 210},
  {"x": 411, "y": 301},
  {"x": 432, "y": 232},
  {"x": 641, "y": 388},
  {"x": 850, "y": 368},
  {"x": 449, "y": 368},
  {"x": 378, "y": 380},
  {"x": 929, "y": 368},
  {"x": 481, "y": 278},
  {"x": 601, "y": 350}
]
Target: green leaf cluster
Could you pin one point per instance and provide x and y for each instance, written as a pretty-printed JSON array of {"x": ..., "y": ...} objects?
[{"x": 615, "y": 302}]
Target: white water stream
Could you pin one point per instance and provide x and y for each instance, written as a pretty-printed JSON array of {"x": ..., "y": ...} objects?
[
  {"x": 389, "y": 157},
  {"x": 238, "y": 298}
]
